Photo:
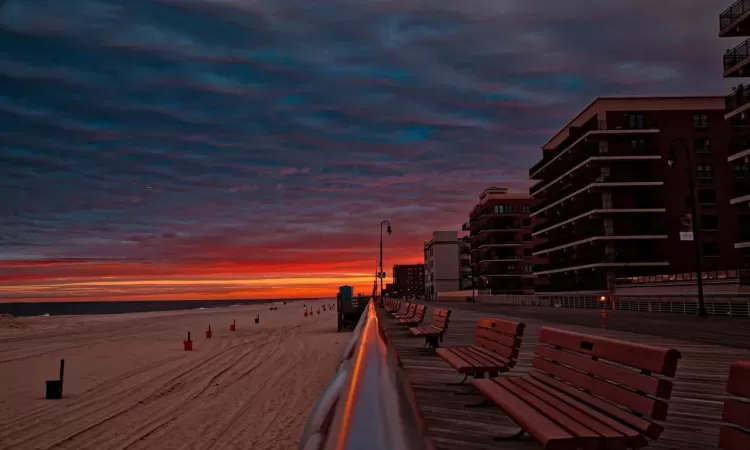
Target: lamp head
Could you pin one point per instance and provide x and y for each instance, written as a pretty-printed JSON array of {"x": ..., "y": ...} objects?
[{"x": 389, "y": 229}]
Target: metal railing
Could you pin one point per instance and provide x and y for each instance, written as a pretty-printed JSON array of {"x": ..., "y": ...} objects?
[
  {"x": 735, "y": 305},
  {"x": 735, "y": 11},
  {"x": 369, "y": 404},
  {"x": 688, "y": 276}
]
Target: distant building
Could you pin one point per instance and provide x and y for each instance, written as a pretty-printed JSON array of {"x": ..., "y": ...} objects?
[
  {"x": 346, "y": 292},
  {"x": 500, "y": 228},
  {"x": 408, "y": 279},
  {"x": 389, "y": 289},
  {"x": 735, "y": 22},
  {"x": 441, "y": 263},
  {"x": 612, "y": 192}
]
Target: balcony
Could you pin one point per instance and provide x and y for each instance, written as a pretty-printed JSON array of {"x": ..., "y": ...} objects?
[
  {"x": 736, "y": 59},
  {"x": 736, "y": 102},
  {"x": 739, "y": 147},
  {"x": 624, "y": 255},
  {"x": 734, "y": 20},
  {"x": 633, "y": 125},
  {"x": 584, "y": 186},
  {"x": 740, "y": 191},
  {"x": 594, "y": 209}
]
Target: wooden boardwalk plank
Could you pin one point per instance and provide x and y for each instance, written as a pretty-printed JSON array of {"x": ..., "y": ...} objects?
[{"x": 697, "y": 398}]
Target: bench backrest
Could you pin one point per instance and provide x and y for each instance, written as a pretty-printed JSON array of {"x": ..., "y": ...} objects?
[
  {"x": 410, "y": 307},
  {"x": 620, "y": 372},
  {"x": 736, "y": 411},
  {"x": 440, "y": 318},
  {"x": 501, "y": 337},
  {"x": 420, "y": 311}
]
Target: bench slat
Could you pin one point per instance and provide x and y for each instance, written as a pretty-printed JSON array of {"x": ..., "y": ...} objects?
[
  {"x": 496, "y": 347},
  {"x": 634, "y": 438},
  {"x": 739, "y": 379},
  {"x": 492, "y": 336},
  {"x": 475, "y": 362},
  {"x": 635, "y": 380},
  {"x": 737, "y": 412},
  {"x": 613, "y": 393},
  {"x": 489, "y": 360},
  {"x": 731, "y": 438},
  {"x": 645, "y": 357},
  {"x": 650, "y": 429},
  {"x": 548, "y": 433},
  {"x": 491, "y": 355},
  {"x": 504, "y": 326},
  {"x": 585, "y": 426}
]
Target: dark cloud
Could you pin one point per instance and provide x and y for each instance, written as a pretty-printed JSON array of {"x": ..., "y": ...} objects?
[{"x": 271, "y": 134}]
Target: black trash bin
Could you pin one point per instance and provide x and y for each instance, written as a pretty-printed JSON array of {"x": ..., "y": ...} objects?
[{"x": 54, "y": 390}]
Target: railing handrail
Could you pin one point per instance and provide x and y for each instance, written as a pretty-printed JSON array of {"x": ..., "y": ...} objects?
[
  {"x": 369, "y": 403},
  {"x": 728, "y": 12}
]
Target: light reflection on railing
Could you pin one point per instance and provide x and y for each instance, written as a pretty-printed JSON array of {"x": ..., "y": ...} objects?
[{"x": 368, "y": 405}]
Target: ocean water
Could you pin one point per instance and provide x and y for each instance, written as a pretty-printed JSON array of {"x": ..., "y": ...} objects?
[{"x": 26, "y": 309}]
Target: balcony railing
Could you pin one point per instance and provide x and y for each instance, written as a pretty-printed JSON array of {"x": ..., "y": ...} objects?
[
  {"x": 733, "y": 13},
  {"x": 737, "y": 99},
  {"x": 580, "y": 183},
  {"x": 738, "y": 145},
  {"x": 630, "y": 124},
  {"x": 734, "y": 57}
]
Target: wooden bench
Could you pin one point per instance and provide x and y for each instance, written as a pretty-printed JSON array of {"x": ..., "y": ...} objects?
[
  {"x": 392, "y": 306},
  {"x": 494, "y": 350},
  {"x": 586, "y": 391},
  {"x": 433, "y": 333},
  {"x": 416, "y": 318},
  {"x": 409, "y": 312},
  {"x": 732, "y": 436}
]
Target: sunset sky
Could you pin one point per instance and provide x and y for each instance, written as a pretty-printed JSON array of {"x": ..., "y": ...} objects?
[{"x": 179, "y": 149}]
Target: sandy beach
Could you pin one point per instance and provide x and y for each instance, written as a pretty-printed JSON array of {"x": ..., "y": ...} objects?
[{"x": 130, "y": 384}]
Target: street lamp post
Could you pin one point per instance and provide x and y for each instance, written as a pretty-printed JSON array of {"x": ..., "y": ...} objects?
[
  {"x": 380, "y": 275},
  {"x": 672, "y": 161}
]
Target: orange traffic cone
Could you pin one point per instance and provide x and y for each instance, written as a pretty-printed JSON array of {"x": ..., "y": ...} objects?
[
  {"x": 209, "y": 333},
  {"x": 188, "y": 344}
]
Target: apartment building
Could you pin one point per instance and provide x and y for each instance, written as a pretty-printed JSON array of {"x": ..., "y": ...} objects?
[
  {"x": 441, "y": 263},
  {"x": 500, "y": 233},
  {"x": 408, "y": 280},
  {"x": 612, "y": 192},
  {"x": 735, "y": 22}
]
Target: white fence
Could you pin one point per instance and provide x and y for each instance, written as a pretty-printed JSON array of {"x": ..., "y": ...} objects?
[{"x": 736, "y": 305}]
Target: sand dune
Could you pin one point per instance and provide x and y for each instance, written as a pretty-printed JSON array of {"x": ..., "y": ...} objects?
[{"x": 129, "y": 384}]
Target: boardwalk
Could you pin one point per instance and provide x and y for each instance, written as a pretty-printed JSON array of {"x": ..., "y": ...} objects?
[{"x": 697, "y": 398}]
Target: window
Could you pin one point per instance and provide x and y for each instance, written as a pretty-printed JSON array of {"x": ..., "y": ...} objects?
[
  {"x": 637, "y": 145},
  {"x": 700, "y": 121},
  {"x": 527, "y": 238},
  {"x": 705, "y": 172},
  {"x": 742, "y": 172},
  {"x": 707, "y": 197},
  {"x": 527, "y": 252},
  {"x": 604, "y": 173},
  {"x": 710, "y": 222},
  {"x": 525, "y": 208},
  {"x": 529, "y": 268},
  {"x": 635, "y": 121},
  {"x": 503, "y": 209},
  {"x": 510, "y": 267},
  {"x": 710, "y": 249},
  {"x": 702, "y": 146},
  {"x": 525, "y": 222}
]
